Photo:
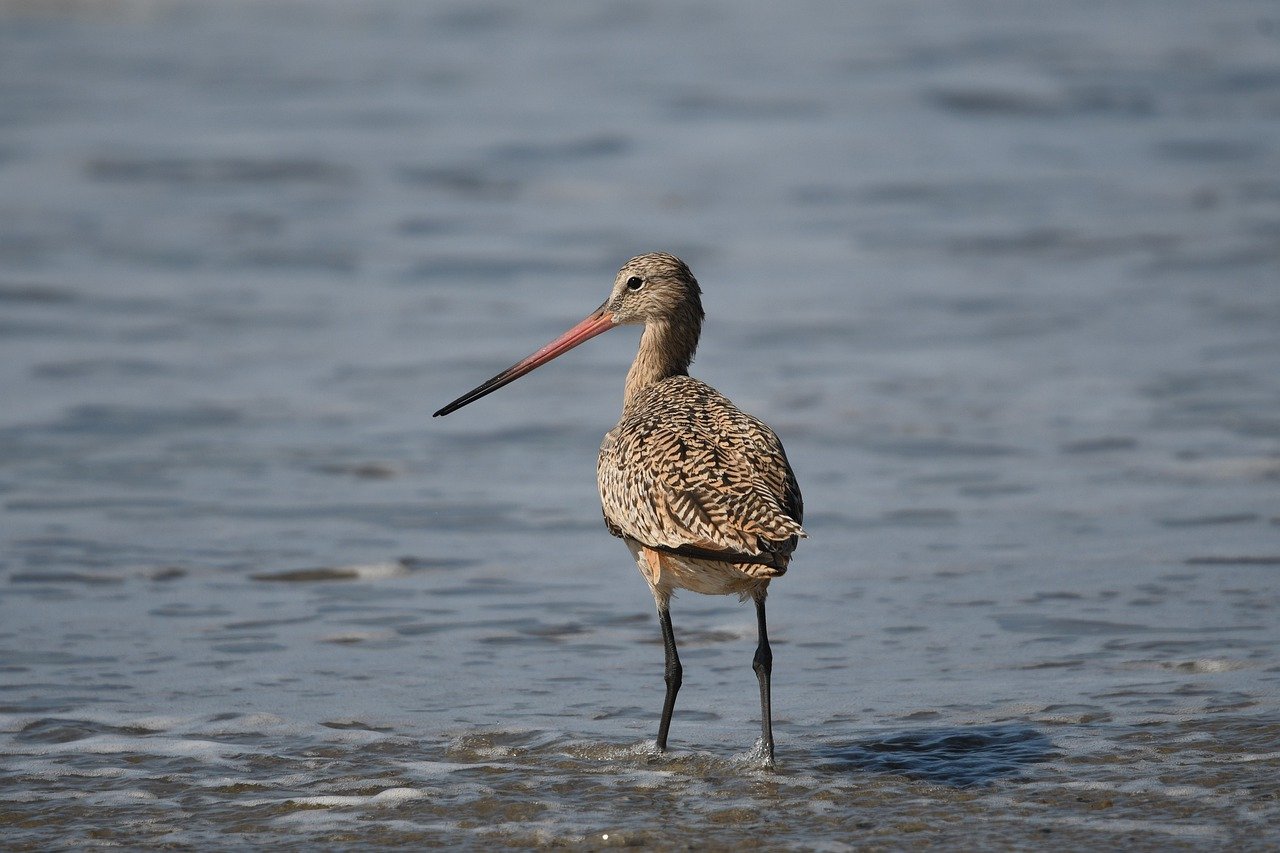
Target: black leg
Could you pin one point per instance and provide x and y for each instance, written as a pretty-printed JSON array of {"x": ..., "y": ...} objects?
[
  {"x": 673, "y": 675},
  {"x": 763, "y": 665}
]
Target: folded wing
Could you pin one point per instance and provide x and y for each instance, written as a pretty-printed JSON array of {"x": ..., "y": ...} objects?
[{"x": 686, "y": 471}]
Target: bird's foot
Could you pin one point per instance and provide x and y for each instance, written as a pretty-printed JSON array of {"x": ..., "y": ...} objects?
[{"x": 762, "y": 753}]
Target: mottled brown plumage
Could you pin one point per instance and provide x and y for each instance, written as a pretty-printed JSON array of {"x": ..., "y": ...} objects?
[
  {"x": 685, "y": 469},
  {"x": 701, "y": 493}
]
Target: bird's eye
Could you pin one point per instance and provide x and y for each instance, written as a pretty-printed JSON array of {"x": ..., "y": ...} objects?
[{"x": 635, "y": 283}]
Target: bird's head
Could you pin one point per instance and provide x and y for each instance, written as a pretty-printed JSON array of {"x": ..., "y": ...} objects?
[{"x": 654, "y": 288}]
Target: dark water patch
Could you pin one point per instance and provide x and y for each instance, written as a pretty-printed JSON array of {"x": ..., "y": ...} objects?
[
  {"x": 554, "y": 631},
  {"x": 1044, "y": 102},
  {"x": 324, "y": 258},
  {"x": 995, "y": 490},
  {"x": 693, "y": 637},
  {"x": 1251, "y": 426},
  {"x": 1059, "y": 243},
  {"x": 999, "y": 102},
  {"x": 425, "y": 226},
  {"x": 918, "y": 448},
  {"x": 1240, "y": 560},
  {"x": 58, "y": 730},
  {"x": 345, "y": 725},
  {"x": 488, "y": 269},
  {"x": 110, "y": 505},
  {"x": 488, "y": 587},
  {"x": 1103, "y": 444},
  {"x": 1177, "y": 385},
  {"x": 470, "y": 20},
  {"x": 239, "y": 629},
  {"x": 1259, "y": 189},
  {"x": 703, "y": 106},
  {"x": 119, "y": 420},
  {"x": 248, "y": 647},
  {"x": 1238, "y": 258},
  {"x": 475, "y": 182},
  {"x": 360, "y": 470},
  {"x": 956, "y": 478},
  {"x": 421, "y": 629},
  {"x": 57, "y": 553},
  {"x": 957, "y": 757},
  {"x": 85, "y": 578},
  {"x": 1211, "y": 520},
  {"x": 217, "y": 170},
  {"x": 1041, "y": 597},
  {"x": 1179, "y": 646},
  {"x": 948, "y": 195},
  {"x": 46, "y": 330},
  {"x": 1072, "y": 715},
  {"x": 107, "y": 368},
  {"x": 978, "y": 305},
  {"x": 162, "y": 574},
  {"x": 430, "y": 564},
  {"x": 1210, "y": 150},
  {"x": 919, "y": 517},
  {"x": 44, "y": 657},
  {"x": 179, "y": 610},
  {"x": 782, "y": 334},
  {"x": 572, "y": 150},
  {"x": 36, "y": 294},
  {"x": 532, "y": 436},
  {"x": 1032, "y": 623},
  {"x": 365, "y": 571},
  {"x": 422, "y": 515},
  {"x": 308, "y": 575}
]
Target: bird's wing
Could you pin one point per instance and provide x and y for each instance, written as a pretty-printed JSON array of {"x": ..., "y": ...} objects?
[{"x": 685, "y": 469}]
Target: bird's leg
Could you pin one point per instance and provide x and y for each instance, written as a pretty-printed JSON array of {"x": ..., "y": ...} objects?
[
  {"x": 763, "y": 665},
  {"x": 673, "y": 673}
]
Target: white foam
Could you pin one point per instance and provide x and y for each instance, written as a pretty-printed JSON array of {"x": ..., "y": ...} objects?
[
  {"x": 432, "y": 769},
  {"x": 1128, "y": 825},
  {"x": 376, "y": 571},
  {"x": 393, "y": 796},
  {"x": 389, "y": 797},
  {"x": 1244, "y": 758},
  {"x": 650, "y": 778},
  {"x": 113, "y": 744},
  {"x": 1136, "y": 786},
  {"x": 40, "y": 769}
]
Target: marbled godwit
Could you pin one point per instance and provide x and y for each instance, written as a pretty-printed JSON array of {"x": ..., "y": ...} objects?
[{"x": 700, "y": 492}]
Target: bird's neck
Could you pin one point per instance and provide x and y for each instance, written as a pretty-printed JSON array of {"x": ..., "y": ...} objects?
[{"x": 666, "y": 350}]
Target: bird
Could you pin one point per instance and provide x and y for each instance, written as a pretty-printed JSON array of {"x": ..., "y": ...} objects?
[{"x": 701, "y": 493}]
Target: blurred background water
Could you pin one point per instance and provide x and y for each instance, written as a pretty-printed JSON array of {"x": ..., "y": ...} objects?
[{"x": 1005, "y": 278}]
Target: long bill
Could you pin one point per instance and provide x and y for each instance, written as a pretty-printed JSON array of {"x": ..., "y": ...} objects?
[{"x": 599, "y": 322}]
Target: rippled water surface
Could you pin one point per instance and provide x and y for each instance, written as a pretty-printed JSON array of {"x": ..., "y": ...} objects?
[{"x": 1006, "y": 280}]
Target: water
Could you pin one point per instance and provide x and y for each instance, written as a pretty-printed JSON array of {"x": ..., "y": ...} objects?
[{"x": 1005, "y": 279}]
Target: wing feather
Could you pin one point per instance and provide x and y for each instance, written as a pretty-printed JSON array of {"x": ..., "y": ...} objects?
[{"x": 685, "y": 468}]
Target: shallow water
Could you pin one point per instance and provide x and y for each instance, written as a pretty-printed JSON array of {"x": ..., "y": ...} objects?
[{"x": 1006, "y": 282}]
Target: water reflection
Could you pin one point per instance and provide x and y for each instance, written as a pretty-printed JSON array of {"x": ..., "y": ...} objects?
[{"x": 956, "y": 756}]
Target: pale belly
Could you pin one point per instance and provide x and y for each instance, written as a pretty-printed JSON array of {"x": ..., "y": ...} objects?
[{"x": 669, "y": 572}]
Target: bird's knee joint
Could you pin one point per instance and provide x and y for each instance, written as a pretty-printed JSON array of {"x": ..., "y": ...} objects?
[
  {"x": 763, "y": 662},
  {"x": 674, "y": 674}
]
